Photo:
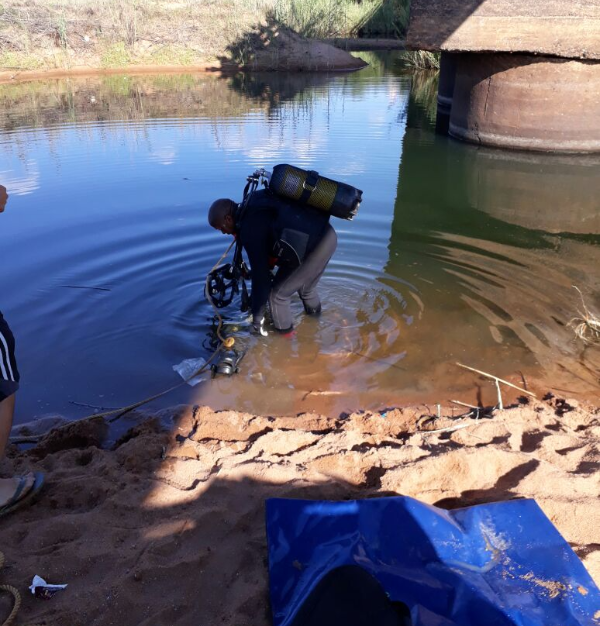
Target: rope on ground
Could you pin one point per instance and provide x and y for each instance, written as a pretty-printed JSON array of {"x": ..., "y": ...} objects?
[
  {"x": 16, "y": 595},
  {"x": 226, "y": 342}
]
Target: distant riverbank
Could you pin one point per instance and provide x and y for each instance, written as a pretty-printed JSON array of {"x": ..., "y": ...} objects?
[
  {"x": 155, "y": 35},
  {"x": 287, "y": 51}
]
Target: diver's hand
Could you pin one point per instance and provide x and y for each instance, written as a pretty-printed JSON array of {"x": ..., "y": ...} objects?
[{"x": 258, "y": 327}]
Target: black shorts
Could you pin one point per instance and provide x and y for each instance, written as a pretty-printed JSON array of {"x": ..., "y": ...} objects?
[{"x": 9, "y": 374}]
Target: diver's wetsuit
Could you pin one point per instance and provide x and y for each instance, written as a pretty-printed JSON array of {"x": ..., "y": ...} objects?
[{"x": 303, "y": 242}]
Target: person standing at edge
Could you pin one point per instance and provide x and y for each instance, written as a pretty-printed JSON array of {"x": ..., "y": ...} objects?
[
  {"x": 16, "y": 490},
  {"x": 300, "y": 239}
]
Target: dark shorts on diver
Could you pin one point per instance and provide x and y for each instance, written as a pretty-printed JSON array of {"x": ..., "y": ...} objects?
[{"x": 9, "y": 374}]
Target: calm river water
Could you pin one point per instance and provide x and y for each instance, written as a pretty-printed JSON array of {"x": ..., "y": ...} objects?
[{"x": 457, "y": 254}]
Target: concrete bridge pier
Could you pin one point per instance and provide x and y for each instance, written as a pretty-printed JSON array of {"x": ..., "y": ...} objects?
[
  {"x": 446, "y": 83},
  {"x": 527, "y": 102},
  {"x": 515, "y": 74}
]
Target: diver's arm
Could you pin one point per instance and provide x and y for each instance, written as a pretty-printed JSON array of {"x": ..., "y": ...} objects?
[{"x": 255, "y": 239}]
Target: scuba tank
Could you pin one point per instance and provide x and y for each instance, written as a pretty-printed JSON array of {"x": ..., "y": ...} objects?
[{"x": 311, "y": 189}]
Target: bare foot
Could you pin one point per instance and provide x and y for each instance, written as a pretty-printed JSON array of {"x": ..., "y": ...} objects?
[{"x": 9, "y": 486}]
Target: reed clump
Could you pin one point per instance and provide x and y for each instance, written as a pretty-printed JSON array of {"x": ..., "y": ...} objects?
[
  {"x": 344, "y": 18},
  {"x": 587, "y": 325},
  {"x": 421, "y": 59}
]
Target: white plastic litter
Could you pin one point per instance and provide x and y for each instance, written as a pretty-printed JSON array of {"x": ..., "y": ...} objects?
[
  {"x": 40, "y": 588},
  {"x": 187, "y": 368}
]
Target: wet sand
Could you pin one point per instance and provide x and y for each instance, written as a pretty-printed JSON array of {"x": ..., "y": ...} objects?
[
  {"x": 167, "y": 527},
  {"x": 9, "y": 76}
]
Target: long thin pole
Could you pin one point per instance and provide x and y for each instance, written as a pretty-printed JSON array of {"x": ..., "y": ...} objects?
[{"x": 505, "y": 382}]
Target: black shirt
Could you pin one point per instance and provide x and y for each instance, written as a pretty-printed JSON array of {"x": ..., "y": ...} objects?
[{"x": 273, "y": 227}]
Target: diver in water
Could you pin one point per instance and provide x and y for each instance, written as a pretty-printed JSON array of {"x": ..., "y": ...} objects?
[{"x": 299, "y": 240}]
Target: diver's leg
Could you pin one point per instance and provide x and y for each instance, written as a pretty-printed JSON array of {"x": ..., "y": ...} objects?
[
  {"x": 315, "y": 265},
  {"x": 7, "y": 409},
  {"x": 284, "y": 287},
  {"x": 8, "y": 486},
  {"x": 303, "y": 280}
]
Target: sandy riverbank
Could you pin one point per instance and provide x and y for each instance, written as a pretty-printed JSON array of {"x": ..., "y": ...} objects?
[
  {"x": 266, "y": 48},
  {"x": 9, "y": 76},
  {"x": 168, "y": 527}
]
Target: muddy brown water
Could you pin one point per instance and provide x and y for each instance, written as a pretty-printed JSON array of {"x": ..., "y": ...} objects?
[{"x": 457, "y": 254}]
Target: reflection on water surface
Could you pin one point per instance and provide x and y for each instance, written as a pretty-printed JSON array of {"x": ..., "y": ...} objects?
[{"x": 458, "y": 253}]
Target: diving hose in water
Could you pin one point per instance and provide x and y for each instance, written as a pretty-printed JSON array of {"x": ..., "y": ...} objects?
[{"x": 224, "y": 343}]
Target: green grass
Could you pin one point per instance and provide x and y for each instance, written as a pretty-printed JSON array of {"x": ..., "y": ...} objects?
[
  {"x": 20, "y": 61},
  {"x": 172, "y": 55},
  {"x": 116, "y": 55},
  {"x": 39, "y": 34},
  {"x": 344, "y": 18}
]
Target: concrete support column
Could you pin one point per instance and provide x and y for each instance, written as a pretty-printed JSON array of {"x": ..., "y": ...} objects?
[
  {"x": 527, "y": 102},
  {"x": 445, "y": 91}
]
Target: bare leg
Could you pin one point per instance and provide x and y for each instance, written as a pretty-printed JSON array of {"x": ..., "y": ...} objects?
[
  {"x": 8, "y": 486},
  {"x": 7, "y": 409}
]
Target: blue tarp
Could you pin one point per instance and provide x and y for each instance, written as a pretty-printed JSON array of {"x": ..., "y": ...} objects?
[{"x": 494, "y": 564}]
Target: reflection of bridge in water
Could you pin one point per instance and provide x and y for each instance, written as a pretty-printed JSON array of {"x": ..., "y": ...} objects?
[
  {"x": 494, "y": 240},
  {"x": 523, "y": 75}
]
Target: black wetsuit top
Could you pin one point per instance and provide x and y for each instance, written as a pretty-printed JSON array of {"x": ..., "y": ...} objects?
[{"x": 272, "y": 227}]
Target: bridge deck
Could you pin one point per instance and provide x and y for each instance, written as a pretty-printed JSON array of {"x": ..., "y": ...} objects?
[{"x": 561, "y": 28}]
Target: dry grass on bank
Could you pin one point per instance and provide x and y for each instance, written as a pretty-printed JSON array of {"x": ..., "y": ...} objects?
[
  {"x": 39, "y": 34},
  {"x": 421, "y": 59},
  {"x": 110, "y": 33},
  {"x": 587, "y": 325}
]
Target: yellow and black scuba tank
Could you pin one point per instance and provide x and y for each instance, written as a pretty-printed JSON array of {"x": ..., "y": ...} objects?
[{"x": 308, "y": 187}]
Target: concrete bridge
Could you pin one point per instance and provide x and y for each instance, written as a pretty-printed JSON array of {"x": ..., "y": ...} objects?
[{"x": 522, "y": 74}]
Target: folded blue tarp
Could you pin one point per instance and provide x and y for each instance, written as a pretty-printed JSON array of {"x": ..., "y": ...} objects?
[{"x": 492, "y": 564}]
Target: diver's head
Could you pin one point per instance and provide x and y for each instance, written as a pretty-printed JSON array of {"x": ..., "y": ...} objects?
[{"x": 221, "y": 215}]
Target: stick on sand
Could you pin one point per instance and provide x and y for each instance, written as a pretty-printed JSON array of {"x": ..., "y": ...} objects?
[
  {"x": 505, "y": 382},
  {"x": 469, "y": 406}
]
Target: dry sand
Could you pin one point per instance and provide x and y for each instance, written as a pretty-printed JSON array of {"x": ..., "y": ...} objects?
[{"x": 168, "y": 527}]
